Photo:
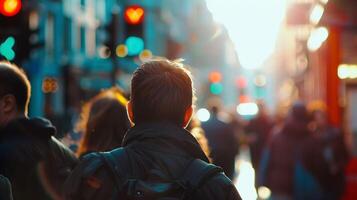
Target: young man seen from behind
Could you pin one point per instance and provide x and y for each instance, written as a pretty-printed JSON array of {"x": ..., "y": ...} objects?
[
  {"x": 35, "y": 163},
  {"x": 157, "y": 154}
]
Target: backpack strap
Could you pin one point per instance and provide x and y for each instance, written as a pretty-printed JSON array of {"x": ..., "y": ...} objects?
[
  {"x": 110, "y": 160},
  {"x": 199, "y": 172}
]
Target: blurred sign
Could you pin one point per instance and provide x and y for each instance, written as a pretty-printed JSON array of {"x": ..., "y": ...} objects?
[{"x": 49, "y": 85}]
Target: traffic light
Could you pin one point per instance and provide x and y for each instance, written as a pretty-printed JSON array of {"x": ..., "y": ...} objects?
[
  {"x": 242, "y": 84},
  {"x": 216, "y": 86},
  {"x": 134, "y": 16},
  {"x": 10, "y": 8},
  {"x": 18, "y": 37},
  {"x": 11, "y": 23}
]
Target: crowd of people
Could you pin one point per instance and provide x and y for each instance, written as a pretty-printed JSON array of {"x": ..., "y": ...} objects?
[{"x": 153, "y": 147}]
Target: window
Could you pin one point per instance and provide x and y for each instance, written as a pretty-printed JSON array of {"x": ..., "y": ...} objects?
[
  {"x": 49, "y": 37},
  {"x": 67, "y": 39},
  {"x": 82, "y": 39}
]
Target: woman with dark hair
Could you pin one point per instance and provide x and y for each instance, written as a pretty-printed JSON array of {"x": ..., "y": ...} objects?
[{"x": 103, "y": 122}]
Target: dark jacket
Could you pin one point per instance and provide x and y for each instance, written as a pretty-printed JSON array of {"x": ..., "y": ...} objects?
[
  {"x": 260, "y": 128},
  {"x": 33, "y": 160},
  {"x": 223, "y": 144},
  {"x": 285, "y": 147},
  {"x": 162, "y": 146},
  {"x": 5, "y": 188}
]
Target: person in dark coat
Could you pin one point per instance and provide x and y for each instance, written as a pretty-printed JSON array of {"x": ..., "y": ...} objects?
[
  {"x": 222, "y": 141},
  {"x": 30, "y": 157},
  {"x": 331, "y": 147},
  {"x": 259, "y": 131},
  {"x": 5, "y": 188},
  {"x": 286, "y": 148},
  {"x": 160, "y": 107}
]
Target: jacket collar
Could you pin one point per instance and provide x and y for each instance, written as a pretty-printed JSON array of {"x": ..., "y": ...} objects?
[
  {"x": 37, "y": 127},
  {"x": 165, "y": 132}
]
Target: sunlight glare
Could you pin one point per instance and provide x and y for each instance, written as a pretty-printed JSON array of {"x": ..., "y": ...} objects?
[{"x": 253, "y": 26}]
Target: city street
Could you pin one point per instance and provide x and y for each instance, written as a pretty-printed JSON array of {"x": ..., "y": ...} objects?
[{"x": 264, "y": 89}]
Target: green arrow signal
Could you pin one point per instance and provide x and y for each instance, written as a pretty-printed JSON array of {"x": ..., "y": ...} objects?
[{"x": 6, "y": 48}]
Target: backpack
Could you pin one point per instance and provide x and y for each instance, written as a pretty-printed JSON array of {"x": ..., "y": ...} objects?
[
  {"x": 306, "y": 185},
  {"x": 157, "y": 186}
]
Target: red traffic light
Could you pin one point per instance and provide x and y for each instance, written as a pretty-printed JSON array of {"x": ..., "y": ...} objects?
[
  {"x": 10, "y": 7},
  {"x": 241, "y": 82},
  {"x": 134, "y": 14},
  {"x": 215, "y": 77}
]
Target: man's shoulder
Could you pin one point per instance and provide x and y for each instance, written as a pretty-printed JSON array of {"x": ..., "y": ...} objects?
[
  {"x": 220, "y": 180},
  {"x": 219, "y": 187}
]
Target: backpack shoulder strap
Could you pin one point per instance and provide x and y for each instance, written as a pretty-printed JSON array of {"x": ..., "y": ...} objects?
[
  {"x": 198, "y": 172},
  {"x": 111, "y": 160}
]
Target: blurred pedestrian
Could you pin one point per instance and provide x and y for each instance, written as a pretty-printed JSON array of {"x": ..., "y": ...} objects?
[
  {"x": 160, "y": 159},
  {"x": 331, "y": 147},
  {"x": 258, "y": 131},
  {"x": 5, "y": 188},
  {"x": 31, "y": 158},
  {"x": 286, "y": 164},
  {"x": 222, "y": 141},
  {"x": 103, "y": 122}
]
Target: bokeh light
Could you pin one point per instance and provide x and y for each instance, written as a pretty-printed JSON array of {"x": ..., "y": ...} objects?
[
  {"x": 203, "y": 115},
  {"x": 317, "y": 37},
  {"x": 247, "y": 109}
]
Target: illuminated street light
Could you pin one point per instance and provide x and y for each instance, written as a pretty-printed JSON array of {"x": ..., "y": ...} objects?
[
  {"x": 317, "y": 37},
  {"x": 316, "y": 14},
  {"x": 203, "y": 115},
  {"x": 145, "y": 55},
  {"x": 247, "y": 109},
  {"x": 264, "y": 192},
  {"x": 346, "y": 71},
  {"x": 104, "y": 52},
  {"x": 260, "y": 80},
  {"x": 342, "y": 71},
  {"x": 121, "y": 51},
  {"x": 353, "y": 71}
]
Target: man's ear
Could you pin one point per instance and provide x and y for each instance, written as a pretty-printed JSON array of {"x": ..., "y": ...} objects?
[
  {"x": 187, "y": 117},
  {"x": 129, "y": 109},
  {"x": 8, "y": 104}
]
